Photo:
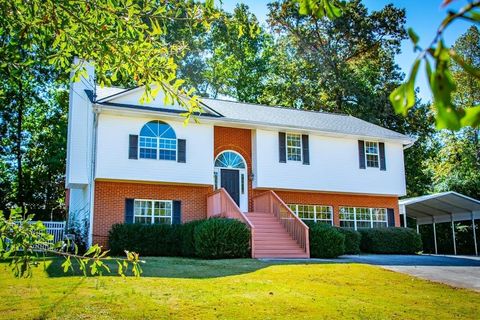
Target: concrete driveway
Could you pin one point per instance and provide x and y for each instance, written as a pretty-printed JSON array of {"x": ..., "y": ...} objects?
[{"x": 462, "y": 272}]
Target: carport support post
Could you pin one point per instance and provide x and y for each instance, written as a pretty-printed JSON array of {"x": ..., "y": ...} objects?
[
  {"x": 404, "y": 220},
  {"x": 474, "y": 235},
  {"x": 435, "y": 235},
  {"x": 453, "y": 235}
]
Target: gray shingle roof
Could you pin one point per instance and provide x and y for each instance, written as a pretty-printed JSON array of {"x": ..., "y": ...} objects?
[
  {"x": 294, "y": 118},
  {"x": 282, "y": 117}
]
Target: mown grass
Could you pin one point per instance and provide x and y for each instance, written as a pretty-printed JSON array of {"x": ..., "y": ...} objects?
[{"x": 174, "y": 288}]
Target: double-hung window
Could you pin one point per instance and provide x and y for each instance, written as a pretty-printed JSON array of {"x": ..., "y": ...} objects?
[
  {"x": 153, "y": 211},
  {"x": 294, "y": 147},
  {"x": 355, "y": 218},
  {"x": 371, "y": 154},
  {"x": 315, "y": 213}
]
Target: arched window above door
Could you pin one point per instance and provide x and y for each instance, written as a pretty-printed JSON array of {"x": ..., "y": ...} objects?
[{"x": 229, "y": 159}]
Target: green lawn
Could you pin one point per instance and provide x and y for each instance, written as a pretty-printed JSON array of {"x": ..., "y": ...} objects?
[{"x": 174, "y": 288}]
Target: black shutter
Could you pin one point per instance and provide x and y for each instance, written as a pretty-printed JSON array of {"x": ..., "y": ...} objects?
[
  {"x": 391, "y": 217},
  {"x": 129, "y": 210},
  {"x": 361, "y": 154},
  {"x": 177, "y": 212},
  {"x": 181, "y": 144},
  {"x": 381, "y": 147},
  {"x": 282, "y": 153},
  {"x": 133, "y": 146},
  {"x": 305, "y": 149}
]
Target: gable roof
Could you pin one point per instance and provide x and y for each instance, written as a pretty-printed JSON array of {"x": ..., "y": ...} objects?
[
  {"x": 256, "y": 114},
  {"x": 301, "y": 119}
]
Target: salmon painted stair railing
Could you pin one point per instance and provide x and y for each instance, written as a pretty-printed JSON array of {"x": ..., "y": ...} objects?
[
  {"x": 276, "y": 231},
  {"x": 279, "y": 233}
]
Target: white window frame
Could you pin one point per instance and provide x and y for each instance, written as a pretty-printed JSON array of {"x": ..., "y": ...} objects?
[
  {"x": 294, "y": 208},
  {"x": 377, "y": 154},
  {"x": 294, "y": 147},
  {"x": 158, "y": 148},
  {"x": 152, "y": 203},
  {"x": 371, "y": 214}
]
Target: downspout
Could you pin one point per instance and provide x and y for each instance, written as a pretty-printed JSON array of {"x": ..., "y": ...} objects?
[{"x": 92, "y": 174}]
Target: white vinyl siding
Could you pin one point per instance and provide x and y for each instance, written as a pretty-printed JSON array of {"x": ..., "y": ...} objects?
[
  {"x": 153, "y": 211},
  {"x": 333, "y": 167},
  {"x": 354, "y": 218},
  {"x": 113, "y": 146},
  {"x": 316, "y": 213}
]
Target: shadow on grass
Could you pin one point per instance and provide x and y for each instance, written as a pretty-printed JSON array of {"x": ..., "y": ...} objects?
[{"x": 169, "y": 267}]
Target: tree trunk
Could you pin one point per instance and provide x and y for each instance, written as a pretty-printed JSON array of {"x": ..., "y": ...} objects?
[{"x": 20, "y": 108}]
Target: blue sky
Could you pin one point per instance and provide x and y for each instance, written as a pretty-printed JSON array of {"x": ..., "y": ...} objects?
[{"x": 424, "y": 16}]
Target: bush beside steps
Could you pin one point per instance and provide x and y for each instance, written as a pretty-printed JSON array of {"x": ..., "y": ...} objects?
[
  {"x": 209, "y": 239},
  {"x": 327, "y": 241}
]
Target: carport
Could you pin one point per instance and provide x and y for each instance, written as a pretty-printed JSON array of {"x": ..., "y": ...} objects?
[{"x": 439, "y": 208}]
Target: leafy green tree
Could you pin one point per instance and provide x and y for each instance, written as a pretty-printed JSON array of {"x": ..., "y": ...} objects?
[
  {"x": 231, "y": 59},
  {"x": 448, "y": 113},
  {"x": 456, "y": 166},
  {"x": 323, "y": 64}
]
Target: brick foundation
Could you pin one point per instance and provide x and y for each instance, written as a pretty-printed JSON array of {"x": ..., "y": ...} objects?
[
  {"x": 338, "y": 200},
  {"x": 109, "y": 207}
]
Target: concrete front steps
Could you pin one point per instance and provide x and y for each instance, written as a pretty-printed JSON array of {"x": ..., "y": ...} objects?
[{"x": 271, "y": 240}]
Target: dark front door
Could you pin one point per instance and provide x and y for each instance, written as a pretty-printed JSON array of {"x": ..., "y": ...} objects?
[{"x": 231, "y": 182}]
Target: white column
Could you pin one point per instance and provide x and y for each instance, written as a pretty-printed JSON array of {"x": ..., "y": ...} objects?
[
  {"x": 403, "y": 211},
  {"x": 453, "y": 235},
  {"x": 474, "y": 235},
  {"x": 416, "y": 222},
  {"x": 435, "y": 235}
]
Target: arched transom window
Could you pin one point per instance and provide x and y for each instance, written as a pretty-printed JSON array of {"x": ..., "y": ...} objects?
[
  {"x": 158, "y": 141},
  {"x": 230, "y": 159}
]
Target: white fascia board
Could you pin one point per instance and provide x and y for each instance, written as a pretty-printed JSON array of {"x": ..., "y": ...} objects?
[{"x": 227, "y": 122}]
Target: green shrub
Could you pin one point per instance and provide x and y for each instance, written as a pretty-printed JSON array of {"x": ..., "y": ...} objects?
[
  {"x": 188, "y": 237},
  {"x": 146, "y": 239},
  {"x": 390, "y": 240},
  {"x": 222, "y": 238},
  {"x": 352, "y": 240},
  {"x": 325, "y": 241}
]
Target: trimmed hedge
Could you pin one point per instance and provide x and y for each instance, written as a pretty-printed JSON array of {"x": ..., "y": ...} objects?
[
  {"x": 390, "y": 240},
  {"x": 145, "y": 239},
  {"x": 325, "y": 241},
  {"x": 352, "y": 240},
  {"x": 188, "y": 237},
  {"x": 222, "y": 238}
]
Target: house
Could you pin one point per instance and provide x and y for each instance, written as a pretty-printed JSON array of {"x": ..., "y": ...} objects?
[{"x": 133, "y": 162}]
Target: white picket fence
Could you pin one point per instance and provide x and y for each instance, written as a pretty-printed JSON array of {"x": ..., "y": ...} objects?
[{"x": 55, "y": 228}]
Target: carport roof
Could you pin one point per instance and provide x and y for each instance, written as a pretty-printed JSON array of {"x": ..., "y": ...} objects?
[{"x": 443, "y": 207}]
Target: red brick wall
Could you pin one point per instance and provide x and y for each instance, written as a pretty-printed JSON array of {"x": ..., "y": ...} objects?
[
  {"x": 338, "y": 200},
  {"x": 239, "y": 140},
  {"x": 109, "y": 207}
]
